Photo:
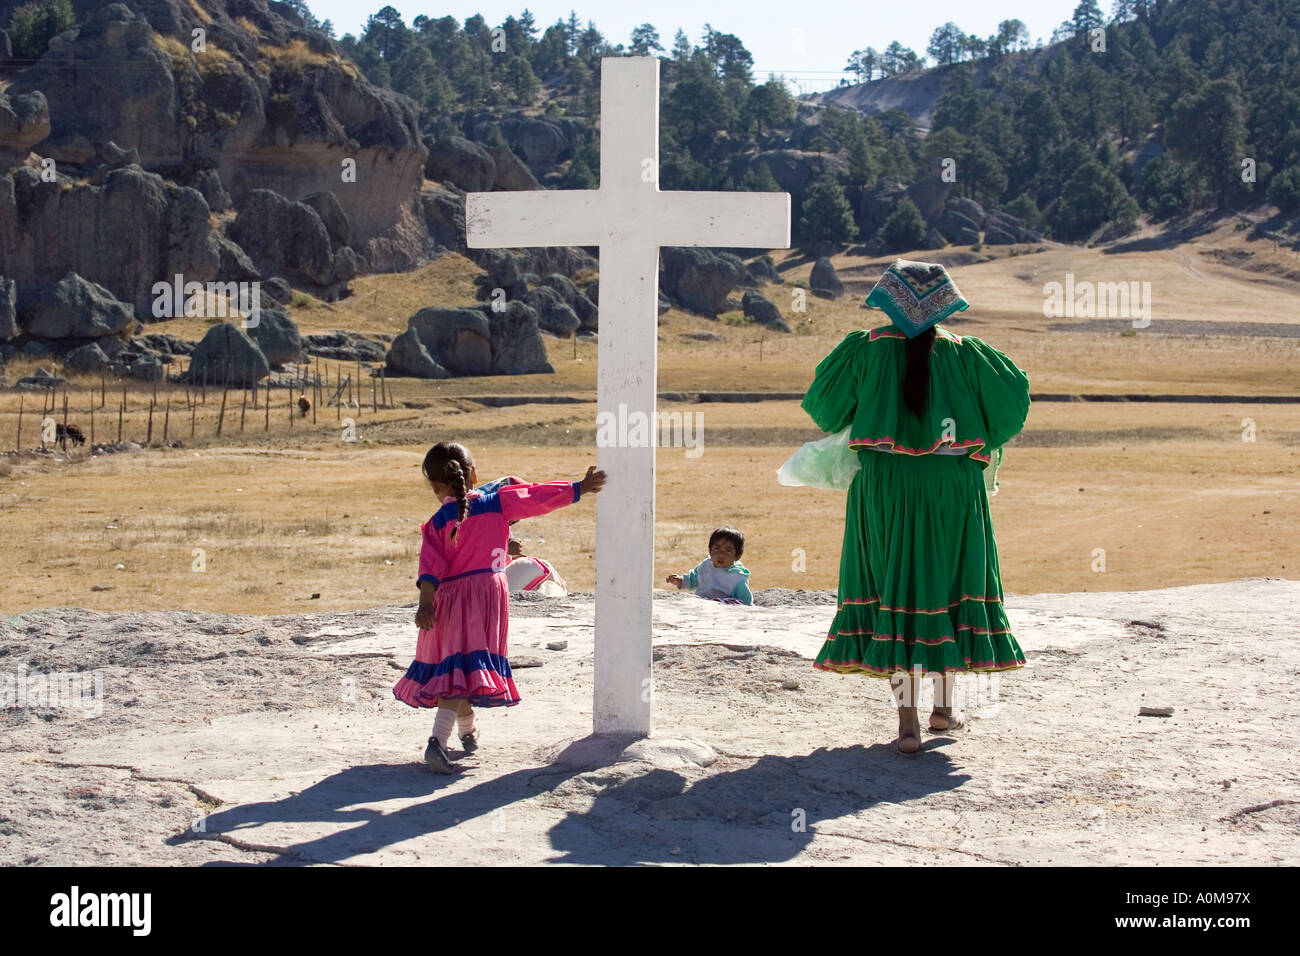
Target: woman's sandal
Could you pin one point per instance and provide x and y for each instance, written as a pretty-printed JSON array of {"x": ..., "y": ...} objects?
[{"x": 951, "y": 721}]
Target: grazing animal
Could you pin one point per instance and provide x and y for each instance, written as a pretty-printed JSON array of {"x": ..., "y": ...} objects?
[
  {"x": 62, "y": 434},
  {"x": 304, "y": 406}
]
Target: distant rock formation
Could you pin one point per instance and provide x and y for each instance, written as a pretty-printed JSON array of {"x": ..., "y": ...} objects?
[{"x": 277, "y": 109}]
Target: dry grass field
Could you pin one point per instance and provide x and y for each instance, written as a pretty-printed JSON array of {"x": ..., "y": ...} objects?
[{"x": 1169, "y": 492}]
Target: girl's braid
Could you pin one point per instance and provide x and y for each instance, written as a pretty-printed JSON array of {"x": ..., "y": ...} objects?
[{"x": 456, "y": 478}]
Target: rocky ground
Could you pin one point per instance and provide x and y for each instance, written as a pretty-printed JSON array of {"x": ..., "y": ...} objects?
[{"x": 229, "y": 739}]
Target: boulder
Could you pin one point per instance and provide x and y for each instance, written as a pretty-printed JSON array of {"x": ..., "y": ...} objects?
[
  {"x": 539, "y": 141},
  {"x": 278, "y": 290},
  {"x": 460, "y": 340},
  {"x": 511, "y": 173},
  {"x": 41, "y": 378},
  {"x": 6, "y": 46},
  {"x": 956, "y": 227},
  {"x": 968, "y": 208},
  {"x": 235, "y": 266},
  {"x": 86, "y": 358},
  {"x": 24, "y": 122},
  {"x": 147, "y": 367},
  {"x": 284, "y": 238},
  {"x": 517, "y": 347},
  {"x": 277, "y": 337},
  {"x": 456, "y": 160},
  {"x": 929, "y": 195},
  {"x": 8, "y": 309},
  {"x": 77, "y": 309},
  {"x": 1005, "y": 229},
  {"x": 331, "y": 215},
  {"x": 699, "y": 279},
  {"x": 553, "y": 315},
  {"x": 483, "y": 341},
  {"x": 823, "y": 281},
  {"x": 763, "y": 312},
  {"x": 444, "y": 217},
  {"x": 165, "y": 344},
  {"x": 344, "y": 347},
  {"x": 36, "y": 348},
  {"x": 408, "y": 356},
  {"x": 934, "y": 239},
  {"x": 208, "y": 182},
  {"x": 876, "y": 206},
  {"x": 501, "y": 272},
  {"x": 795, "y": 170},
  {"x": 759, "y": 271},
  {"x": 226, "y": 354}
]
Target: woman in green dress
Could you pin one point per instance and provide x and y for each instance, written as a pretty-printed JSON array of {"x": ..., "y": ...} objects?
[{"x": 920, "y": 594}]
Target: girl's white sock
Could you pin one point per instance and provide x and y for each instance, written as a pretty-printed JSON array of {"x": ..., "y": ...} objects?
[
  {"x": 443, "y": 723},
  {"x": 465, "y": 724}
]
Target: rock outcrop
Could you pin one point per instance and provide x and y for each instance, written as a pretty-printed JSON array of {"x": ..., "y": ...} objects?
[
  {"x": 8, "y": 309},
  {"x": 134, "y": 230},
  {"x": 289, "y": 239}
]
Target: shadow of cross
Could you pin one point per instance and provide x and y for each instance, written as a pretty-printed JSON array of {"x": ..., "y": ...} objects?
[{"x": 629, "y": 218}]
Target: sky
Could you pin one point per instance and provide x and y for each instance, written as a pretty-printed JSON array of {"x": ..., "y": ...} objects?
[{"x": 809, "y": 39}]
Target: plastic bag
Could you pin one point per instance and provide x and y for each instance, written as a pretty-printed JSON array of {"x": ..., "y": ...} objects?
[{"x": 827, "y": 463}]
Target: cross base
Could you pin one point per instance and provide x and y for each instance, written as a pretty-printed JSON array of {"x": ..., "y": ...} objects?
[{"x": 604, "y": 750}]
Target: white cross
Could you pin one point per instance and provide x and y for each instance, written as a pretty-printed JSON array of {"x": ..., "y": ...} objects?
[{"x": 629, "y": 219}]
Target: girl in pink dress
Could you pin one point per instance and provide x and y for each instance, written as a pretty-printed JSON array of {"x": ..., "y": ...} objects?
[{"x": 461, "y": 656}]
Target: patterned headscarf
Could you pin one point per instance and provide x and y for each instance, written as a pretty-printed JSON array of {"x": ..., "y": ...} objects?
[{"x": 916, "y": 295}]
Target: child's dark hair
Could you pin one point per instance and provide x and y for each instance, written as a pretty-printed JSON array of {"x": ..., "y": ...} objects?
[
  {"x": 729, "y": 534},
  {"x": 450, "y": 462}
]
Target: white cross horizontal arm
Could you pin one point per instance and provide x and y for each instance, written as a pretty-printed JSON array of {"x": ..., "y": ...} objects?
[
  {"x": 534, "y": 217},
  {"x": 745, "y": 220}
]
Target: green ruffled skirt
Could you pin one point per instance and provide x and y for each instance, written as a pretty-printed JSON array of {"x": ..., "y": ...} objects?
[{"x": 919, "y": 582}]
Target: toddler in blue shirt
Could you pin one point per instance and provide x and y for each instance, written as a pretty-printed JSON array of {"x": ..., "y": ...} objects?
[{"x": 720, "y": 576}]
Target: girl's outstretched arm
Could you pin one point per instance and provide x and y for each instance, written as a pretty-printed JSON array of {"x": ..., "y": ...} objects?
[{"x": 527, "y": 501}]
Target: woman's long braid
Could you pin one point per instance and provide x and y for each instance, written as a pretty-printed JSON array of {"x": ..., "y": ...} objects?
[
  {"x": 916, "y": 378},
  {"x": 456, "y": 478}
]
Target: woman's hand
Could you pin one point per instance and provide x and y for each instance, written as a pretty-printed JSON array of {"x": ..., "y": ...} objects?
[
  {"x": 424, "y": 619},
  {"x": 675, "y": 579},
  {"x": 593, "y": 481}
]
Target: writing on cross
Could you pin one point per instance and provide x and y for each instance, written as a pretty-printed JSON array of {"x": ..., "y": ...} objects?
[{"x": 629, "y": 218}]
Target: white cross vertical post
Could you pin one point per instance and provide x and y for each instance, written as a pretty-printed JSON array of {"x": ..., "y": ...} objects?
[{"x": 629, "y": 219}]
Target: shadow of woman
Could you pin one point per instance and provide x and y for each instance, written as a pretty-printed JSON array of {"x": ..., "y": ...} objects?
[{"x": 767, "y": 812}]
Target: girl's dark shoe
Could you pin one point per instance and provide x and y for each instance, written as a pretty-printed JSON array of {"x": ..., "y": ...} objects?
[
  {"x": 469, "y": 741},
  {"x": 435, "y": 757}
]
